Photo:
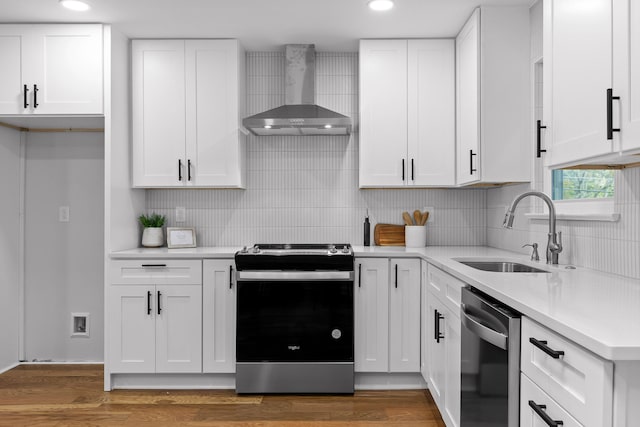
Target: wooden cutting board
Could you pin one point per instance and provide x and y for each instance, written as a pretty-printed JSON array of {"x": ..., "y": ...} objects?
[{"x": 388, "y": 235}]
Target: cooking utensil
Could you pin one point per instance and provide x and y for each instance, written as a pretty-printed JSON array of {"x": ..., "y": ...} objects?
[
  {"x": 425, "y": 217},
  {"x": 407, "y": 218},
  {"x": 417, "y": 217}
]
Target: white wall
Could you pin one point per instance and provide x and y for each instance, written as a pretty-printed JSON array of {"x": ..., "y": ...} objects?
[
  {"x": 63, "y": 260},
  {"x": 9, "y": 246},
  {"x": 305, "y": 189}
]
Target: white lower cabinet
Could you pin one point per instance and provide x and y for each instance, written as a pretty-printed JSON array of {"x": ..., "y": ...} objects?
[
  {"x": 538, "y": 409},
  {"x": 218, "y": 316},
  {"x": 387, "y": 315},
  {"x": 443, "y": 339},
  {"x": 155, "y": 326},
  {"x": 577, "y": 380}
]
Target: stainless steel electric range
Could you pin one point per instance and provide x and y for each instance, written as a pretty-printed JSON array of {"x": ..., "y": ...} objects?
[{"x": 295, "y": 318}]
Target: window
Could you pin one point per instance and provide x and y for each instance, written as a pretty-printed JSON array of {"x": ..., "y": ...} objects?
[{"x": 573, "y": 184}]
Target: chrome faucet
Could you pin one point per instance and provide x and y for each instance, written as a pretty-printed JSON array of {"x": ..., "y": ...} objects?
[{"x": 554, "y": 242}]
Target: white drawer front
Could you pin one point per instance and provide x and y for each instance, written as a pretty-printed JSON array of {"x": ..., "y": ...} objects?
[
  {"x": 446, "y": 287},
  {"x": 578, "y": 380},
  {"x": 532, "y": 398},
  {"x": 156, "y": 272}
]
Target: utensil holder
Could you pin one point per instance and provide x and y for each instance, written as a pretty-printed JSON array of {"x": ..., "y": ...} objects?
[{"x": 415, "y": 236}]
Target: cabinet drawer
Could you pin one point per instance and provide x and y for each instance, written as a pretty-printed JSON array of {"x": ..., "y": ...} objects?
[
  {"x": 578, "y": 380},
  {"x": 156, "y": 272},
  {"x": 532, "y": 397},
  {"x": 446, "y": 287}
]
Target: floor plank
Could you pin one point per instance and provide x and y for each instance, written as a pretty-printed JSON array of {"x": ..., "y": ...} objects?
[{"x": 71, "y": 395}]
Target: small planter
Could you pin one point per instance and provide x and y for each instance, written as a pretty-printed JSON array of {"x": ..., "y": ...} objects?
[{"x": 152, "y": 237}]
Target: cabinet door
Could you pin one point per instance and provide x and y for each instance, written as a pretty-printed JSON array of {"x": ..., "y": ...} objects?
[
  {"x": 66, "y": 65},
  {"x": 12, "y": 42},
  {"x": 132, "y": 329},
  {"x": 431, "y": 112},
  {"x": 436, "y": 354},
  {"x": 213, "y": 77},
  {"x": 404, "y": 316},
  {"x": 178, "y": 328},
  {"x": 371, "y": 329},
  {"x": 626, "y": 71},
  {"x": 383, "y": 113},
  {"x": 468, "y": 100},
  {"x": 577, "y": 74},
  {"x": 218, "y": 317},
  {"x": 158, "y": 112}
]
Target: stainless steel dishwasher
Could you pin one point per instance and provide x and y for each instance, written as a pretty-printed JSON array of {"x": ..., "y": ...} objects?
[{"x": 490, "y": 355}]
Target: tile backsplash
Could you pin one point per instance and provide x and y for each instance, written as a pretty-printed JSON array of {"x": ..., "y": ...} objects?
[{"x": 305, "y": 189}]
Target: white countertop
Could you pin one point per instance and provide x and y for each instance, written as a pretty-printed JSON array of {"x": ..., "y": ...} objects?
[{"x": 597, "y": 310}]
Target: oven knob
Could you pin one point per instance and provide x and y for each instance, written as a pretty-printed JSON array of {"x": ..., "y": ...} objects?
[
  {"x": 333, "y": 250},
  {"x": 256, "y": 249},
  {"x": 345, "y": 250},
  {"x": 244, "y": 250},
  {"x": 336, "y": 334}
]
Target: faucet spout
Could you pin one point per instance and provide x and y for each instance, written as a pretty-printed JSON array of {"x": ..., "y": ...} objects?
[{"x": 554, "y": 243}]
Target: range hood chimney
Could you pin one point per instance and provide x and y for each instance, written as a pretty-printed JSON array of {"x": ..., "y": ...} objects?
[{"x": 300, "y": 115}]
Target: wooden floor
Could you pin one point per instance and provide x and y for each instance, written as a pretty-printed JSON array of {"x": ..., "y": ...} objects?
[{"x": 71, "y": 395}]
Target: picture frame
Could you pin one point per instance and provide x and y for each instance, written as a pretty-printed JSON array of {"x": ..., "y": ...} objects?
[{"x": 181, "y": 237}]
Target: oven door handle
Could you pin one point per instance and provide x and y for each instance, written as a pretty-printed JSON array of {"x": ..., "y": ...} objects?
[
  {"x": 256, "y": 276},
  {"x": 472, "y": 323}
]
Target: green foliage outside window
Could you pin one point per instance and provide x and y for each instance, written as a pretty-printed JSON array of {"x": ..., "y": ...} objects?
[{"x": 582, "y": 184}]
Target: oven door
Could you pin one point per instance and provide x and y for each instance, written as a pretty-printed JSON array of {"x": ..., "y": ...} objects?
[{"x": 294, "y": 320}]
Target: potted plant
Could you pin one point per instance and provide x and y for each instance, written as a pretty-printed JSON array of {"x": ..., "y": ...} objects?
[{"x": 152, "y": 236}]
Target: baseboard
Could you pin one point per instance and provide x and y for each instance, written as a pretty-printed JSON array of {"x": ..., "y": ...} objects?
[
  {"x": 8, "y": 368},
  {"x": 59, "y": 362}
]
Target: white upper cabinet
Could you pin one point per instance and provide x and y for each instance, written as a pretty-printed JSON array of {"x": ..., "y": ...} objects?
[
  {"x": 51, "y": 69},
  {"x": 592, "y": 72},
  {"x": 187, "y": 104},
  {"x": 492, "y": 97},
  {"x": 407, "y": 113},
  {"x": 626, "y": 72}
]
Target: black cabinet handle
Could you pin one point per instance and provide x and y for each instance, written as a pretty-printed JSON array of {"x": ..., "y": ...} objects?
[
  {"x": 179, "y": 169},
  {"x": 359, "y": 275},
  {"x": 189, "y": 170},
  {"x": 412, "y": 171},
  {"x": 471, "y": 169},
  {"x": 153, "y": 265},
  {"x": 396, "y": 276},
  {"x": 437, "y": 335},
  {"x": 539, "y": 128},
  {"x": 159, "y": 308},
  {"x": 542, "y": 345},
  {"x": 35, "y": 96},
  {"x": 610, "y": 128},
  {"x": 539, "y": 410},
  {"x": 25, "y": 96},
  {"x": 148, "y": 302},
  {"x": 402, "y": 169},
  {"x": 230, "y": 276}
]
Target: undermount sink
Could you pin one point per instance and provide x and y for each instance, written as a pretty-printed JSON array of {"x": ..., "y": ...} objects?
[{"x": 502, "y": 266}]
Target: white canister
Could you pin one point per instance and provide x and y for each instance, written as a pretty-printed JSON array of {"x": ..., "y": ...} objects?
[
  {"x": 415, "y": 236},
  {"x": 152, "y": 237}
]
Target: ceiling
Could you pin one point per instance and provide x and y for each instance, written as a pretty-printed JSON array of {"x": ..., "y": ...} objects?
[{"x": 332, "y": 25}]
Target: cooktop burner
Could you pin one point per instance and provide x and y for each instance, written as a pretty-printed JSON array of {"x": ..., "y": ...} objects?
[{"x": 295, "y": 256}]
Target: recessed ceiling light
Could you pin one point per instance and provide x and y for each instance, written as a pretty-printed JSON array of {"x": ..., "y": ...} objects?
[
  {"x": 327, "y": 126},
  {"x": 267, "y": 126},
  {"x": 380, "y": 4},
  {"x": 76, "y": 5}
]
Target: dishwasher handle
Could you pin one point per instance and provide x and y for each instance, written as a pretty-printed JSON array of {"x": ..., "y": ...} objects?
[{"x": 473, "y": 324}]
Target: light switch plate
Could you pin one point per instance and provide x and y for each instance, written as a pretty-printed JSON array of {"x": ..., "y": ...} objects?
[
  {"x": 63, "y": 214},
  {"x": 181, "y": 214}
]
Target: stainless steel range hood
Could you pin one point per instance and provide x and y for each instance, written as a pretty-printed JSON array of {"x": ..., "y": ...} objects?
[{"x": 300, "y": 115}]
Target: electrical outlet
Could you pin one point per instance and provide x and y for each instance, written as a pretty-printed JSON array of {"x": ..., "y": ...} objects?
[
  {"x": 63, "y": 214},
  {"x": 181, "y": 214},
  {"x": 432, "y": 213},
  {"x": 80, "y": 325}
]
